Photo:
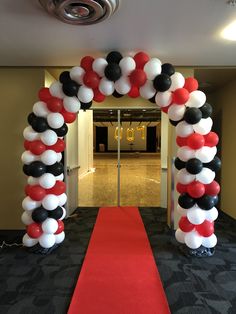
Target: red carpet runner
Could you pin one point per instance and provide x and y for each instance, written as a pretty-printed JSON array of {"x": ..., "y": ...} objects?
[{"x": 119, "y": 274}]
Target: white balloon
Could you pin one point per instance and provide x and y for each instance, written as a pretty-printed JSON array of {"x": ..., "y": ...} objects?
[
  {"x": 185, "y": 153},
  {"x": 196, "y": 99},
  {"x": 60, "y": 177},
  {"x": 27, "y": 157},
  {"x": 163, "y": 99},
  {"x": 59, "y": 157},
  {"x": 180, "y": 235},
  {"x": 182, "y": 211},
  {"x": 49, "y": 157},
  {"x": 206, "y": 176},
  {"x": 77, "y": 74},
  {"x": 212, "y": 214},
  {"x": 47, "y": 240},
  {"x": 204, "y": 126},
  {"x": 49, "y": 137},
  {"x": 123, "y": 86},
  {"x": 206, "y": 154},
  {"x": 50, "y": 202},
  {"x": 184, "y": 129},
  {"x": 209, "y": 242},
  {"x": 184, "y": 177},
  {"x": 152, "y": 68},
  {"x": 177, "y": 81},
  {"x": 55, "y": 120},
  {"x": 47, "y": 180},
  {"x": 32, "y": 180},
  {"x": 29, "y": 242},
  {"x": 127, "y": 65},
  {"x": 196, "y": 215},
  {"x": 30, "y": 135},
  {"x": 99, "y": 66},
  {"x": 106, "y": 87},
  {"x": 40, "y": 109},
  {"x": 49, "y": 225},
  {"x": 64, "y": 213},
  {"x": 62, "y": 199},
  {"x": 56, "y": 90},
  {"x": 193, "y": 240},
  {"x": 147, "y": 91},
  {"x": 60, "y": 237},
  {"x": 29, "y": 204},
  {"x": 26, "y": 218},
  {"x": 71, "y": 104},
  {"x": 85, "y": 94},
  {"x": 176, "y": 112}
]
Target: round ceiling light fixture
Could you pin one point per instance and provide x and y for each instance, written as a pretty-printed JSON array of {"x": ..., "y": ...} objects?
[{"x": 81, "y": 12}]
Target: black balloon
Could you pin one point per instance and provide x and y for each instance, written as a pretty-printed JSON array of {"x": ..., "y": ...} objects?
[
  {"x": 56, "y": 169},
  {"x": 114, "y": 57},
  {"x": 194, "y": 166},
  {"x": 85, "y": 106},
  {"x": 64, "y": 77},
  {"x": 62, "y": 131},
  {"x": 192, "y": 115},
  {"x": 40, "y": 214},
  {"x": 185, "y": 201},
  {"x": 206, "y": 202},
  {"x": 179, "y": 164},
  {"x": 39, "y": 124},
  {"x": 153, "y": 99},
  {"x": 112, "y": 72},
  {"x": 37, "y": 169},
  {"x": 56, "y": 213},
  {"x": 31, "y": 117},
  {"x": 214, "y": 165},
  {"x": 26, "y": 170},
  {"x": 174, "y": 123},
  {"x": 216, "y": 199},
  {"x": 70, "y": 88},
  {"x": 168, "y": 69},
  {"x": 117, "y": 95},
  {"x": 206, "y": 110},
  {"x": 162, "y": 82}
]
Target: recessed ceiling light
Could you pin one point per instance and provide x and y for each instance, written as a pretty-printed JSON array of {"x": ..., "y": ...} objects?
[{"x": 229, "y": 32}]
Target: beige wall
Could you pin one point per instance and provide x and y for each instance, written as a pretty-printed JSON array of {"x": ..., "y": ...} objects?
[
  {"x": 224, "y": 106},
  {"x": 18, "y": 89}
]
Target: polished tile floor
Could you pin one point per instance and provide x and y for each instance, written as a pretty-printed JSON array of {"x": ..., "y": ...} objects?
[{"x": 140, "y": 181}]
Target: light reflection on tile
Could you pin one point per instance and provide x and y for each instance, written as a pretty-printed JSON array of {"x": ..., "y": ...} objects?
[{"x": 140, "y": 181}]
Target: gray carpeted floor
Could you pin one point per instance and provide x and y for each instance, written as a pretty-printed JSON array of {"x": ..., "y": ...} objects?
[{"x": 35, "y": 284}]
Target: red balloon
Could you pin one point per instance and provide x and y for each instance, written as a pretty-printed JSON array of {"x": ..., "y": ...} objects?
[
  {"x": 141, "y": 58},
  {"x": 211, "y": 139},
  {"x": 191, "y": 84},
  {"x": 27, "y": 144},
  {"x": 98, "y": 96},
  {"x": 37, "y": 147},
  {"x": 195, "y": 141},
  {"x": 69, "y": 117},
  {"x": 59, "y": 146},
  {"x": 86, "y": 63},
  {"x": 91, "y": 79},
  {"x": 60, "y": 227},
  {"x": 44, "y": 94},
  {"x": 181, "y": 141},
  {"x": 55, "y": 104},
  {"x": 27, "y": 189},
  {"x": 58, "y": 189},
  {"x": 34, "y": 230},
  {"x": 165, "y": 109},
  {"x": 180, "y": 96},
  {"x": 196, "y": 189},
  {"x": 213, "y": 188},
  {"x": 134, "y": 92},
  {"x": 206, "y": 229},
  {"x": 36, "y": 192},
  {"x": 181, "y": 188},
  {"x": 138, "y": 77},
  {"x": 185, "y": 225}
]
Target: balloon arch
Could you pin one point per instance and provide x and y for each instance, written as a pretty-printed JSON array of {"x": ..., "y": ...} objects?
[{"x": 116, "y": 75}]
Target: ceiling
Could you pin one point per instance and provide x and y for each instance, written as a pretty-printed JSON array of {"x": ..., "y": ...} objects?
[{"x": 183, "y": 32}]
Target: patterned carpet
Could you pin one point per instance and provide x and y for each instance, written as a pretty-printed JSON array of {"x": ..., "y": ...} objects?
[{"x": 35, "y": 284}]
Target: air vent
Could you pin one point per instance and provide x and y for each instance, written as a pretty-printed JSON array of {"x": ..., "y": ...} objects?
[{"x": 81, "y": 12}]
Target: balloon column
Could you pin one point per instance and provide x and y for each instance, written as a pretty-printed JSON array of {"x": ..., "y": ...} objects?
[{"x": 115, "y": 75}]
